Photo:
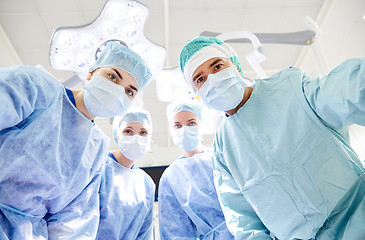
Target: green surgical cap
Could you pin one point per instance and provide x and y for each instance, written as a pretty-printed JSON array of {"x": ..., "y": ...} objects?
[
  {"x": 198, "y": 44},
  {"x": 116, "y": 55}
]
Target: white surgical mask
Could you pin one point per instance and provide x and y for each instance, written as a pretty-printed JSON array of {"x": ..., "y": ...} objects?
[
  {"x": 187, "y": 138},
  {"x": 133, "y": 147},
  {"x": 223, "y": 90},
  {"x": 104, "y": 98}
]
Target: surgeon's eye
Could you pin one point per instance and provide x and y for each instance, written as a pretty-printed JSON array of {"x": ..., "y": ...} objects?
[
  {"x": 112, "y": 77},
  {"x": 143, "y": 133},
  {"x": 199, "y": 80},
  {"x": 128, "y": 132},
  {"x": 130, "y": 93},
  {"x": 191, "y": 123},
  {"x": 218, "y": 66},
  {"x": 177, "y": 126}
]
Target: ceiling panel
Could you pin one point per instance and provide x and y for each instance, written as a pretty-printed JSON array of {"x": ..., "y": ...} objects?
[
  {"x": 261, "y": 20},
  {"x": 265, "y": 3},
  {"x": 17, "y": 6},
  {"x": 292, "y": 18},
  {"x": 53, "y": 21},
  {"x": 25, "y": 30}
]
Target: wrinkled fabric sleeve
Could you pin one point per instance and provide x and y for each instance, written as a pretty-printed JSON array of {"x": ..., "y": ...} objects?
[
  {"x": 21, "y": 88},
  {"x": 173, "y": 220},
  {"x": 80, "y": 218},
  {"x": 146, "y": 231},
  {"x": 241, "y": 219},
  {"x": 339, "y": 98}
]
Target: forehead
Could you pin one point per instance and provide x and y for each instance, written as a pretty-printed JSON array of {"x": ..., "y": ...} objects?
[
  {"x": 127, "y": 77},
  {"x": 183, "y": 116},
  {"x": 134, "y": 125},
  {"x": 208, "y": 64}
]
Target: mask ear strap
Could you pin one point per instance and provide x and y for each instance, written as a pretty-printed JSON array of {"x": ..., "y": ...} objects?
[{"x": 256, "y": 56}]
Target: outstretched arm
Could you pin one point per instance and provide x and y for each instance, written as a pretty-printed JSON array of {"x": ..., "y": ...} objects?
[
  {"x": 339, "y": 98},
  {"x": 22, "y": 90}
]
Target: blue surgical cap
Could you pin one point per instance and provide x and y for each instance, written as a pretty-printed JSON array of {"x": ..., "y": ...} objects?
[
  {"x": 187, "y": 105},
  {"x": 220, "y": 49},
  {"x": 134, "y": 114},
  {"x": 116, "y": 55}
]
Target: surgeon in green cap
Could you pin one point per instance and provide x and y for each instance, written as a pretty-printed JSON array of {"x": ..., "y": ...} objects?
[{"x": 283, "y": 165}]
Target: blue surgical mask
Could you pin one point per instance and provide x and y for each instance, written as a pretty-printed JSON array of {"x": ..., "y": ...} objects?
[
  {"x": 187, "y": 138},
  {"x": 134, "y": 147},
  {"x": 223, "y": 90},
  {"x": 104, "y": 98}
]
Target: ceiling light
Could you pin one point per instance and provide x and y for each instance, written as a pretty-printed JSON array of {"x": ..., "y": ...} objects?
[{"x": 74, "y": 48}]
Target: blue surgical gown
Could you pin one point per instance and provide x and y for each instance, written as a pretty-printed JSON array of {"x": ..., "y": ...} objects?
[
  {"x": 283, "y": 163},
  {"x": 188, "y": 202},
  {"x": 126, "y": 202},
  {"x": 51, "y": 160}
]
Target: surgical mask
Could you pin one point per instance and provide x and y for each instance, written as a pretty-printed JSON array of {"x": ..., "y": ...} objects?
[
  {"x": 133, "y": 147},
  {"x": 187, "y": 137},
  {"x": 104, "y": 98},
  {"x": 223, "y": 90}
]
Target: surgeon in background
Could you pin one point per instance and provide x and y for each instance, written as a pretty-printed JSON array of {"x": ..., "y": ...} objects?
[
  {"x": 282, "y": 159},
  {"x": 51, "y": 151},
  {"x": 188, "y": 202},
  {"x": 127, "y": 192}
]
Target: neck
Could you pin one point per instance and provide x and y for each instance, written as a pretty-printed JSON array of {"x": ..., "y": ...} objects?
[
  {"x": 246, "y": 96},
  {"x": 122, "y": 160},
  {"x": 80, "y": 104},
  {"x": 192, "y": 153}
]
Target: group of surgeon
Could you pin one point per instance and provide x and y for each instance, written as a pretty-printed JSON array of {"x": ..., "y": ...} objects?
[{"x": 281, "y": 166}]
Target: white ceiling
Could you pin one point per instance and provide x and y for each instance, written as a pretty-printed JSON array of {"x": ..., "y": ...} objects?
[{"x": 27, "y": 27}]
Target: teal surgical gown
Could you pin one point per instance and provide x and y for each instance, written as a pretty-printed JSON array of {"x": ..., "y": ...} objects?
[
  {"x": 283, "y": 163},
  {"x": 126, "y": 203},
  {"x": 188, "y": 202},
  {"x": 51, "y": 160}
]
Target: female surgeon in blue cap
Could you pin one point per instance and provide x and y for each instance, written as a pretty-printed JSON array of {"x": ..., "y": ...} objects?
[
  {"x": 188, "y": 203},
  {"x": 127, "y": 192},
  {"x": 282, "y": 159},
  {"x": 51, "y": 151}
]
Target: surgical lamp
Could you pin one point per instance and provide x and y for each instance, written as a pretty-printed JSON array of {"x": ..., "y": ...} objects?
[{"x": 75, "y": 48}]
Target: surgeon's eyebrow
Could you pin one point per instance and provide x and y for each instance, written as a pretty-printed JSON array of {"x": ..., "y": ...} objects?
[
  {"x": 215, "y": 62},
  {"x": 120, "y": 76},
  {"x": 210, "y": 66},
  {"x": 134, "y": 88},
  {"x": 118, "y": 73},
  {"x": 197, "y": 76},
  {"x": 193, "y": 119}
]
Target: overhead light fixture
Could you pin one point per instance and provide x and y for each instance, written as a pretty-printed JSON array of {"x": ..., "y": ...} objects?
[
  {"x": 75, "y": 48},
  {"x": 170, "y": 86}
]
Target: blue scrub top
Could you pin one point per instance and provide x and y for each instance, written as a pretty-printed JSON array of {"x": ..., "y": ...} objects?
[
  {"x": 126, "y": 202},
  {"x": 51, "y": 159},
  {"x": 188, "y": 203}
]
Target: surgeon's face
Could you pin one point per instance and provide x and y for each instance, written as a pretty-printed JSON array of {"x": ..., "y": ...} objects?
[
  {"x": 131, "y": 129},
  {"x": 120, "y": 77},
  {"x": 184, "y": 118},
  {"x": 211, "y": 66}
]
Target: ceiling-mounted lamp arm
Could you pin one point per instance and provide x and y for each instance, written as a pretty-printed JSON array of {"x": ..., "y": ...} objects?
[
  {"x": 317, "y": 45},
  {"x": 256, "y": 56}
]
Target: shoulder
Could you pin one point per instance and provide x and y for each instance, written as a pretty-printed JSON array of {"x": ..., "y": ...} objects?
[
  {"x": 30, "y": 73},
  {"x": 148, "y": 179}
]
